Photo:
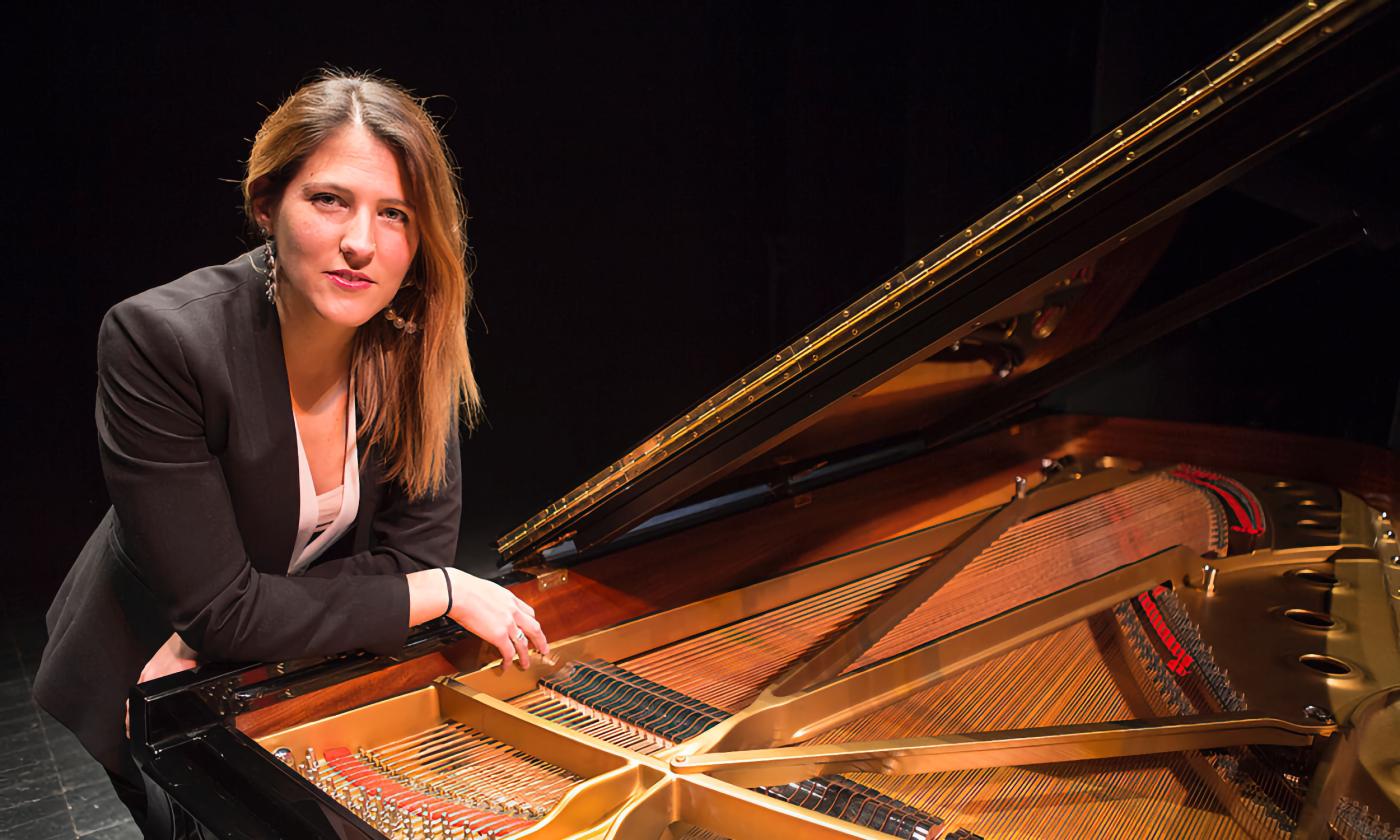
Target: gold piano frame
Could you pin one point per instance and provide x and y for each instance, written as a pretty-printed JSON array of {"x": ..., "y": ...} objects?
[{"x": 704, "y": 781}]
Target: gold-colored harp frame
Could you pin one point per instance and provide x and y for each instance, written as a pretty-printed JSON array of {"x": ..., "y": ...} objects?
[{"x": 705, "y": 781}]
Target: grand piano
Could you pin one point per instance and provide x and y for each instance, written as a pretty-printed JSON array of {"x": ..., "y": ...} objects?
[{"x": 874, "y": 588}]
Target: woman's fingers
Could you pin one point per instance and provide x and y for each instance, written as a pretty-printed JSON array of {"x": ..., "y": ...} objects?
[
  {"x": 507, "y": 652},
  {"x": 522, "y": 647},
  {"x": 534, "y": 633},
  {"x": 496, "y": 615},
  {"x": 170, "y": 658}
]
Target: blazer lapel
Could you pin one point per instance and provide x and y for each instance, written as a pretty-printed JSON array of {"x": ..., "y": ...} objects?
[
  {"x": 266, "y": 492},
  {"x": 371, "y": 493}
]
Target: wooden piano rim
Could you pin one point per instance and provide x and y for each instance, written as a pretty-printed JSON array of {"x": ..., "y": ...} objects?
[
  {"x": 1036, "y": 618},
  {"x": 609, "y": 590}
]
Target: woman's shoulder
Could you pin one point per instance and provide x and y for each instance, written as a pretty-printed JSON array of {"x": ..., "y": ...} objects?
[
  {"x": 203, "y": 289},
  {"x": 187, "y": 312}
]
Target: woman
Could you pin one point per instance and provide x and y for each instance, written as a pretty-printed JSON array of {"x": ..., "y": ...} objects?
[{"x": 279, "y": 434}]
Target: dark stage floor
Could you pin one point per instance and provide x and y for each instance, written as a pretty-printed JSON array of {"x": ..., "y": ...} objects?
[{"x": 50, "y": 788}]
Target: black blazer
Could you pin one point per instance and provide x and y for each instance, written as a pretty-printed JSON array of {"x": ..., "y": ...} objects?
[{"x": 198, "y": 447}]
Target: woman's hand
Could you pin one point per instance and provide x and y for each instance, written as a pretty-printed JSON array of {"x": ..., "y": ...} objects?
[
  {"x": 173, "y": 656},
  {"x": 490, "y": 611},
  {"x": 496, "y": 615}
]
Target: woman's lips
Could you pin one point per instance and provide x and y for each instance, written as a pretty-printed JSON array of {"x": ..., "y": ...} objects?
[{"x": 349, "y": 281}]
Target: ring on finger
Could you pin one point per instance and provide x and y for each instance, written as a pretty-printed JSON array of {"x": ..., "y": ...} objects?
[{"x": 519, "y": 635}]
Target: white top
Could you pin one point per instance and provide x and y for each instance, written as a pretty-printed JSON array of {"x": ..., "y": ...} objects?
[
  {"x": 332, "y": 512},
  {"x": 328, "y": 506}
]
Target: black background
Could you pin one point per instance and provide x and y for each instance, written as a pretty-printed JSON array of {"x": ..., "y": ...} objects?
[{"x": 659, "y": 193}]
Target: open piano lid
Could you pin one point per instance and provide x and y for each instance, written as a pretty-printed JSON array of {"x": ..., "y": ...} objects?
[{"x": 952, "y": 342}]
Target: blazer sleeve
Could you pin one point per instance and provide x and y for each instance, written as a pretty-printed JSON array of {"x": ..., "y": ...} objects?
[
  {"x": 408, "y": 535},
  {"x": 177, "y": 520}
]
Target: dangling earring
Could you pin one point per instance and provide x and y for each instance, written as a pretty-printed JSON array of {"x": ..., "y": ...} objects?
[
  {"x": 270, "y": 258},
  {"x": 399, "y": 322}
]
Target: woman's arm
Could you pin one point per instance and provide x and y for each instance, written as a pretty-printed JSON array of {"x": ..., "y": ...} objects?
[
  {"x": 419, "y": 537},
  {"x": 177, "y": 523},
  {"x": 486, "y": 609},
  {"x": 176, "y": 517},
  {"x": 407, "y": 534}
]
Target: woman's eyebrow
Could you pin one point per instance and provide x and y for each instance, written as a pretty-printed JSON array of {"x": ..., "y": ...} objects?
[{"x": 321, "y": 186}]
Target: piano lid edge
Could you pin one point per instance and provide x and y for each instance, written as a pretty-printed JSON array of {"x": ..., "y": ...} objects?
[{"x": 699, "y": 446}]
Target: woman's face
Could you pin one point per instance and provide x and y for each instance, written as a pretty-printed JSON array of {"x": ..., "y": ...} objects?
[{"x": 345, "y": 233}]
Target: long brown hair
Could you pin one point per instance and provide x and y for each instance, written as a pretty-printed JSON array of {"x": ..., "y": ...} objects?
[{"x": 412, "y": 391}]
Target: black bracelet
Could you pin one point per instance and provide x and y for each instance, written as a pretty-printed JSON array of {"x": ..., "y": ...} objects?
[{"x": 448, "y": 578}]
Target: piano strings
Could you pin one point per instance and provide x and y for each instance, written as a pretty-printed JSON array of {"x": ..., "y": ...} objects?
[
  {"x": 1092, "y": 671},
  {"x": 1075, "y": 675},
  {"x": 729, "y": 666},
  {"x": 1059, "y": 549},
  {"x": 446, "y": 782}
]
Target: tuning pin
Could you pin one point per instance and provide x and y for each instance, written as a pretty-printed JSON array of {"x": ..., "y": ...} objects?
[{"x": 1020, "y": 487}]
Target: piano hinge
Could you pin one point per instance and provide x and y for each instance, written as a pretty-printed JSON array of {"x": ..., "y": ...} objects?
[{"x": 551, "y": 578}]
